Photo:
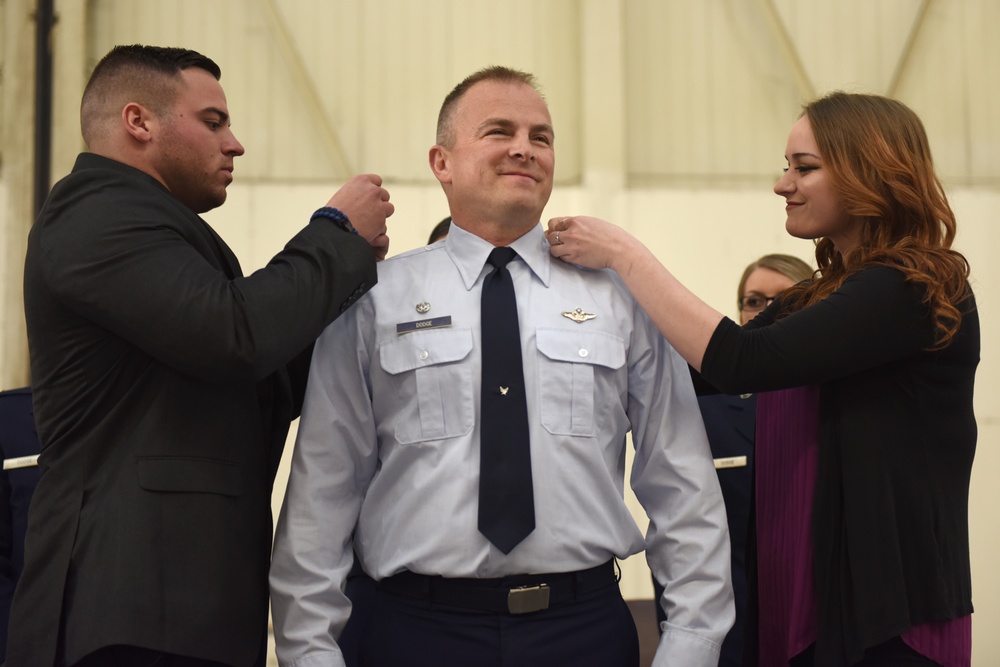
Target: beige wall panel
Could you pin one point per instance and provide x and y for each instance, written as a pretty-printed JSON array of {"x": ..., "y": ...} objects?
[
  {"x": 852, "y": 45},
  {"x": 70, "y": 72},
  {"x": 271, "y": 111},
  {"x": 322, "y": 90},
  {"x": 538, "y": 37},
  {"x": 712, "y": 86},
  {"x": 981, "y": 50},
  {"x": 3, "y": 79},
  {"x": 979, "y": 239},
  {"x": 710, "y": 89},
  {"x": 16, "y": 170},
  {"x": 710, "y": 97},
  {"x": 953, "y": 83},
  {"x": 312, "y": 51},
  {"x": 400, "y": 96}
]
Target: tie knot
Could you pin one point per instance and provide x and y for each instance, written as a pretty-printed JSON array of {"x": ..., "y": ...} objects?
[{"x": 500, "y": 256}]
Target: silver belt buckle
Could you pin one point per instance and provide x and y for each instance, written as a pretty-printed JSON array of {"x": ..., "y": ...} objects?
[{"x": 527, "y": 599}]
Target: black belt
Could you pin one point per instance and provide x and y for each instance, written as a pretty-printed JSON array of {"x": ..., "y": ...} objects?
[{"x": 517, "y": 594}]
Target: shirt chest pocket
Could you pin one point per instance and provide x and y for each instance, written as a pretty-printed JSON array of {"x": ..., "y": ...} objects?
[
  {"x": 432, "y": 384},
  {"x": 568, "y": 362}
]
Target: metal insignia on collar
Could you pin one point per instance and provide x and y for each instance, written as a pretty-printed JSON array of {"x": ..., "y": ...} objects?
[
  {"x": 578, "y": 315},
  {"x": 423, "y": 307}
]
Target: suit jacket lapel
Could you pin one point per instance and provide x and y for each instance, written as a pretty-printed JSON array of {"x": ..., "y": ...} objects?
[{"x": 224, "y": 256}]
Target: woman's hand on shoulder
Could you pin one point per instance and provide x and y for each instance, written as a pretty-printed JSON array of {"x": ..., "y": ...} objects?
[{"x": 588, "y": 241}]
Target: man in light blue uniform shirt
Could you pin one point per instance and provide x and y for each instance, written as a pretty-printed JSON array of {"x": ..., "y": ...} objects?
[{"x": 387, "y": 458}]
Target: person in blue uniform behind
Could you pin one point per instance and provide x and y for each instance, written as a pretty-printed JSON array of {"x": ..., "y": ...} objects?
[{"x": 18, "y": 446}]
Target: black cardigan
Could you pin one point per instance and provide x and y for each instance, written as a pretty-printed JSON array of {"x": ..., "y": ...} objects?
[{"x": 897, "y": 440}]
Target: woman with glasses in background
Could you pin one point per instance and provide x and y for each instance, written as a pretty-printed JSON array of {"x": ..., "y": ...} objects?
[{"x": 763, "y": 281}]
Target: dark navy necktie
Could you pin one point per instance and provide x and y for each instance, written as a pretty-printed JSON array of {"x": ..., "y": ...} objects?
[{"x": 506, "y": 499}]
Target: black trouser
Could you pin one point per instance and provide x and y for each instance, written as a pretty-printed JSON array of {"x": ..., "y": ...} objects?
[{"x": 595, "y": 628}]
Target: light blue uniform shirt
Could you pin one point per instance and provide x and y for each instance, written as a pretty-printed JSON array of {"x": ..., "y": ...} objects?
[{"x": 389, "y": 441}]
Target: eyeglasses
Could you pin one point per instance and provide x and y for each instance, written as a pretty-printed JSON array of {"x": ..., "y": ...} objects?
[{"x": 754, "y": 303}]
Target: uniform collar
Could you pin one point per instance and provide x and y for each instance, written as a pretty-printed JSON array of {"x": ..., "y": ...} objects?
[{"x": 469, "y": 253}]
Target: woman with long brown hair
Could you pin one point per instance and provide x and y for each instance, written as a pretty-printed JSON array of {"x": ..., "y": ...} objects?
[{"x": 866, "y": 432}]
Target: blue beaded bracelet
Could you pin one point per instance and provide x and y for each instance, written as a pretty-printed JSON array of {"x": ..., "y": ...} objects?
[{"x": 337, "y": 216}]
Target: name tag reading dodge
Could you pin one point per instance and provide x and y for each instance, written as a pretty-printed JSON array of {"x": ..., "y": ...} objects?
[
  {"x": 20, "y": 462},
  {"x": 420, "y": 325},
  {"x": 731, "y": 462}
]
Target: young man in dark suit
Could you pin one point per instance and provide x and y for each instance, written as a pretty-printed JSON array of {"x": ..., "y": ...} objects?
[{"x": 164, "y": 379}]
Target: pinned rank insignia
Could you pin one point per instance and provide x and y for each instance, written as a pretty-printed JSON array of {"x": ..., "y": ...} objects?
[
  {"x": 578, "y": 315},
  {"x": 423, "y": 307}
]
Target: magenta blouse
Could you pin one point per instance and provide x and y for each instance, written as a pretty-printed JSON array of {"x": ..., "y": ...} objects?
[{"x": 786, "y": 466}]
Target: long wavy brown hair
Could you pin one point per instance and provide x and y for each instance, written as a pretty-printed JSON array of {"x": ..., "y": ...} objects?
[{"x": 879, "y": 160}]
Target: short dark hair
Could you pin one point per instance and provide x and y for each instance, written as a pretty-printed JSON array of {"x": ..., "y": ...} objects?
[
  {"x": 440, "y": 230},
  {"x": 493, "y": 73},
  {"x": 136, "y": 73}
]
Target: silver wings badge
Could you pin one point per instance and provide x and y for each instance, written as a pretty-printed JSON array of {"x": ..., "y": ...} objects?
[{"x": 578, "y": 315}]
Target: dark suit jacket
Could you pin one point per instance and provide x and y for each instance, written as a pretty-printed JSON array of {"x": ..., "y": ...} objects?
[
  {"x": 164, "y": 385},
  {"x": 17, "y": 438}
]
